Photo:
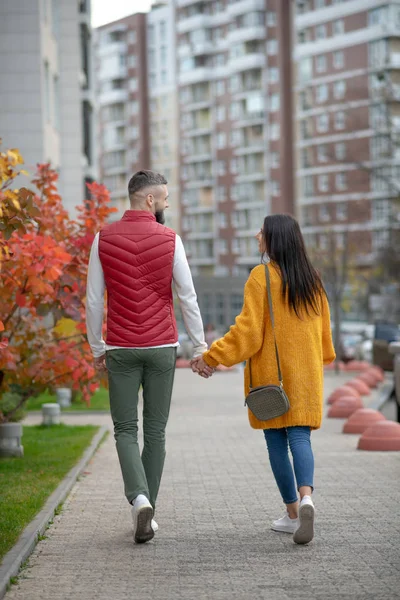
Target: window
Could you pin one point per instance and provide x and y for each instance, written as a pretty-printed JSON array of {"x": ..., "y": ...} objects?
[
  {"x": 122, "y": 60},
  {"x": 341, "y": 211},
  {"x": 163, "y": 57},
  {"x": 320, "y": 32},
  {"x": 234, "y": 111},
  {"x": 271, "y": 19},
  {"x": 322, "y": 153},
  {"x": 380, "y": 238},
  {"x": 323, "y": 241},
  {"x": 219, "y": 88},
  {"x": 378, "y": 16},
  {"x": 275, "y": 163},
  {"x": 274, "y": 102},
  {"x": 338, "y": 59},
  {"x": 221, "y": 114},
  {"x": 340, "y": 151},
  {"x": 378, "y": 52},
  {"x": 131, "y": 61},
  {"x": 274, "y": 131},
  {"x": 234, "y": 83},
  {"x": 234, "y": 166},
  {"x": 340, "y": 120},
  {"x": 338, "y": 27},
  {"x": 223, "y": 220},
  {"x": 305, "y": 69},
  {"x": 163, "y": 29},
  {"x": 273, "y": 75},
  {"x": 131, "y": 37},
  {"x": 308, "y": 185},
  {"x": 323, "y": 123},
  {"x": 339, "y": 89},
  {"x": 221, "y": 167},
  {"x": 320, "y": 63},
  {"x": 133, "y": 107},
  {"x": 380, "y": 147},
  {"x": 381, "y": 211},
  {"x": 164, "y": 77},
  {"x": 133, "y": 84},
  {"x": 221, "y": 140},
  {"x": 321, "y": 93},
  {"x": 323, "y": 183},
  {"x": 56, "y": 101},
  {"x": 275, "y": 188},
  {"x": 221, "y": 194},
  {"x": 150, "y": 34},
  {"x": 272, "y": 47},
  {"x": 323, "y": 213},
  {"x": 341, "y": 181},
  {"x": 378, "y": 116}
]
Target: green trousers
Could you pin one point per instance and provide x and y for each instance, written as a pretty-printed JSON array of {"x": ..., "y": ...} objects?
[{"x": 154, "y": 370}]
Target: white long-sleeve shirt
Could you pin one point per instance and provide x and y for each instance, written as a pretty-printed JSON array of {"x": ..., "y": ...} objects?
[{"x": 183, "y": 284}]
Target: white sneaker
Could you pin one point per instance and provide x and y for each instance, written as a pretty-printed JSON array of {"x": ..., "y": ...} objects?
[
  {"x": 154, "y": 525},
  {"x": 305, "y": 532},
  {"x": 142, "y": 515},
  {"x": 285, "y": 524}
]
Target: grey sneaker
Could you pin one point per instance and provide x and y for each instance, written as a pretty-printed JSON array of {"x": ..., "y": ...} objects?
[
  {"x": 142, "y": 515},
  {"x": 305, "y": 531}
]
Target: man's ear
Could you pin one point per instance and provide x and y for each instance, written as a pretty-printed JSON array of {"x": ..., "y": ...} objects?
[{"x": 149, "y": 200}]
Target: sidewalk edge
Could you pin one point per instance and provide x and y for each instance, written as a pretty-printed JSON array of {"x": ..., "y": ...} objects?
[{"x": 28, "y": 539}]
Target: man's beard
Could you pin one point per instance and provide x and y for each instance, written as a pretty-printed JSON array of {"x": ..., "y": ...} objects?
[{"x": 160, "y": 217}]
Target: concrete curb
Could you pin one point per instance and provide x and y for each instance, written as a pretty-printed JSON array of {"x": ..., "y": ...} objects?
[{"x": 27, "y": 541}]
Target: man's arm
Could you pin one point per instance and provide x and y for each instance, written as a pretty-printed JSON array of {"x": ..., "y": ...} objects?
[
  {"x": 184, "y": 287},
  {"x": 95, "y": 288}
]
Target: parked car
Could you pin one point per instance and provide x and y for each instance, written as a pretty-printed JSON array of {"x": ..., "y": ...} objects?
[{"x": 385, "y": 333}]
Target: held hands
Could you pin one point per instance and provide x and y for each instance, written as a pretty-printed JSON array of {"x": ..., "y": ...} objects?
[{"x": 200, "y": 367}]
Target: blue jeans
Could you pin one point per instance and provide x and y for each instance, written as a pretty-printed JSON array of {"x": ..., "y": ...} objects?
[{"x": 299, "y": 439}]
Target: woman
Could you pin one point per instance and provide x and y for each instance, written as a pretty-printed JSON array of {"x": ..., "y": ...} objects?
[{"x": 303, "y": 333}]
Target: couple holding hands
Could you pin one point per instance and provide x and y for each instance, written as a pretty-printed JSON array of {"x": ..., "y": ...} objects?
[{"x": 137, "y": 260}]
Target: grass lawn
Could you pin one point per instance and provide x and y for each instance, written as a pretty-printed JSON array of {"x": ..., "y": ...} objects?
[
  {"x": 99, "y": 401},
  {"x": 26, "y": 483}
]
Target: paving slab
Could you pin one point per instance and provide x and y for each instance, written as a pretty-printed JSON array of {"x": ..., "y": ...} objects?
[{"x": 216, "y": 503}]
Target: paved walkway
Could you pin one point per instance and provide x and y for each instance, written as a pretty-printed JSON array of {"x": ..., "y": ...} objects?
[{"x": 217, "y": 500}]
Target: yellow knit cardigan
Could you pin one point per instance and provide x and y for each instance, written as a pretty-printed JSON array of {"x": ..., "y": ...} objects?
[{"x": 305, "y": 345}]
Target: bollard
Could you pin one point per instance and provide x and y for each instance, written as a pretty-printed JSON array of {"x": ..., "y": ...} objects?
[
  {"x": 64, "y": 396},
  {"x": 51, "y": 414}
]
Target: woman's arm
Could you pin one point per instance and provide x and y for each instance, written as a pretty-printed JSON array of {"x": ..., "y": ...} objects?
[
  {"x": 328, "y": 351},
  {"x": 244, "y": 338}
]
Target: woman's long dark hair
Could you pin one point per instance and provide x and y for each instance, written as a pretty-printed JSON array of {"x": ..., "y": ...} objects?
[{"x": 285, "y": 246}]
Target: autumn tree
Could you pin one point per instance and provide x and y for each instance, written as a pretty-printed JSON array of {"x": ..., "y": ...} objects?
[{"x": 43, "y": 281}]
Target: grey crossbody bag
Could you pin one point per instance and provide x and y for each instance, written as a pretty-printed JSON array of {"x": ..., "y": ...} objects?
[{"x": 268, "y": 401}]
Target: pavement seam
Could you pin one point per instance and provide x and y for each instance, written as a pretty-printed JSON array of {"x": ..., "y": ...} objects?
[{"x": 27, "y": 541}]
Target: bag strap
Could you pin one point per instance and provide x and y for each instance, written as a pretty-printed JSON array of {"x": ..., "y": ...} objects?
[{"x": 271, "y": 315}]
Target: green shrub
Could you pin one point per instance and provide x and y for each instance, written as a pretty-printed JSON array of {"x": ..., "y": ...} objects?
[{"x": 8, "y": 402}]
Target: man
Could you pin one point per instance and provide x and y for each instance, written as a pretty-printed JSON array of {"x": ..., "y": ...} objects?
[{"x": 136, "y": 260}]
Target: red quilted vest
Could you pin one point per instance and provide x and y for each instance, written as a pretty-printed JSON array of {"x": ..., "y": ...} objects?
[{"x": 137, "y": 256}]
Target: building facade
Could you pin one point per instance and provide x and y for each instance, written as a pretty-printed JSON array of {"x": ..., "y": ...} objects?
[
  {"x": 348, "y": 123},
  {"x": 235, "y": 166},
  {"x": 47, "y": 103},
  {"x": 123, "y": 123},
  {"x": 163, "y": 102}
]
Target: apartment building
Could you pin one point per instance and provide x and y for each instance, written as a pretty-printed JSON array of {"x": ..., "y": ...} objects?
[
  {"x": 47, "y": 100},
  {"x": 348, "y": 122},
  {"x": 235, "y": 111},
  {"x": 163, "y": 102},
  {"x": 121, "y": 80}
]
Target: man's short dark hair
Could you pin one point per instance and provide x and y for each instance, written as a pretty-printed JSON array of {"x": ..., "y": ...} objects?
[{"x": 145, "y": 179}]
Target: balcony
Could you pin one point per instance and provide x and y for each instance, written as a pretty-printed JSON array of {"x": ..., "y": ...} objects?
[
  {"x": 200, "y": 235},
  {"x": 249, "y": 177},
  {"x": 195, "y": 75},
  {"x": 251, "y": 148},
  {"x": 194, "y": 157},
  {"x": 248, "y": 61},
  {"x": 106, "y": 49},
  {"x": 192, "y": 23},
  {"x": 243, "y": 7},
  {"x": 193, "y": 184},
  {"x": 245, "y": 34},
  {"x": 250, "y": 118},
  {"x": 113, "y": 96}
]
